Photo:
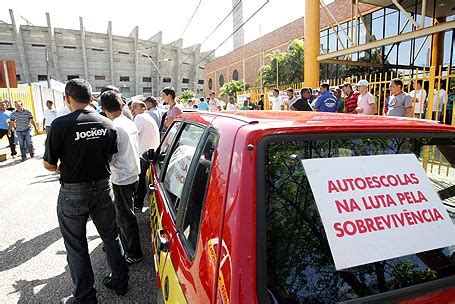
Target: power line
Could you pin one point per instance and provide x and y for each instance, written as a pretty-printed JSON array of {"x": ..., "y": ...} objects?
[
  {"x": 191, "y": 18},
  {"x": 249, "y": 18}
]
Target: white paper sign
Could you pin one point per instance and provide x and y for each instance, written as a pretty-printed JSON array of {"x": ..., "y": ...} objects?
[{"x": 375, "y": 208}]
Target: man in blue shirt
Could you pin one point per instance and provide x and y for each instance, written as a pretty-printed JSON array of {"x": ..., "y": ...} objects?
[
  {"x": 202, "y": 105},
  {"x": 326, "y": 102},
  {"x": 5, "y": 127}
]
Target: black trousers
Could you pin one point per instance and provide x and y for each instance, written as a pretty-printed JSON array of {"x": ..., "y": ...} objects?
[
  {"x": 142, "y": 187},
  {"x": 126, "y": 219},
  {"x": 12, "y": 144}
]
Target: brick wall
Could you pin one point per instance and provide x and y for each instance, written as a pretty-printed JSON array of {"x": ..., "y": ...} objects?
[{"x": 279, "y": 39}]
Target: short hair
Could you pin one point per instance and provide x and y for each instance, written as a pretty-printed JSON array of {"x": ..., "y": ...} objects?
[
  {"x": 140, "y": 103},
  {"x": 169, "y": 91},
  {"x": 290, "y": 90},
  {"x": 152, "y": 100},
  {"x": 305, "y": 90},
  {"x": 111, "y": 101},
  {"x": 211, "y": 93},
  {"x": 325, "y": 86},
  {"x": 49, "y": 101},
  {"x": 79, "y": 89},
  {"x": 18, "y": 101},
  {"x": 202, "y": 99},
  {"x": 110, "y": 87},
  {"x": 262, "y": 95},
  {"x": 276, "y": 90},
  {"x": 419, "y": 81},
  {"x": 347, "y": 84},
  {"x": 397, "y": 81}
]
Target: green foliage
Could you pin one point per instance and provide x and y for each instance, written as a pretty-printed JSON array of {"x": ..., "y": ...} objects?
[
  {"x": 187, "y": 95},
  {"x": 231, "y": 88},
  {"x": 289, "y": 64}
]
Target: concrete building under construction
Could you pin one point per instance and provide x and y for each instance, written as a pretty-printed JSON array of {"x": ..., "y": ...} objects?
[{"x": 134, "y": 65}]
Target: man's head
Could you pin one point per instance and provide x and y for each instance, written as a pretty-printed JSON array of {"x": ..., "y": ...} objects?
[
  {"x": 395, "y": 86},
  {"x": 362, "y": 86},
  {"x": 276, "y": 92},
  {"x": 202, "y": 99},
  {"x": 211, "y": 95},
  {"x": 418, "y": 84},
  {"x": 138, "y": 107},
  {"x": 306, "y": 93},
  {"x": 2, "y": 106},
  {"x": 169, "y": 95},
  {"x": 324, "y": 87},
  {"x": 78, "y": 92},
  {"x": 49, "y": 104},
  {"x": 111, "y": 102},
  {"x": 151, "y": 102},
  {"x": 18, "y": 105},
  {"x": 347, "y": 88},
  {"x": 262, "y": 96},
  {"x": 290, "y": 92},
  {"x": 337, "y": 93},
  {"x": 231, "y": 100},
  {"x": 110, "y": 87}
]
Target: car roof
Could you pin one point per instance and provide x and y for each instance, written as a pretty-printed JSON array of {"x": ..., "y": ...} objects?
[{"x": 294, "y": 120}]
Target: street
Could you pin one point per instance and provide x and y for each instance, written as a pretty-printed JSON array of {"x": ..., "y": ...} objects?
[{"x": 33, "y": 267}]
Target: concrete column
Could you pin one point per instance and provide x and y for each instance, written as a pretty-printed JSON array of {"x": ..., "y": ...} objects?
[
  {"x": 84, "y": 51},
  {"x": 136, "y": 61},
  {"x": 437, "y": 46},
  {"x": 111, "y": 52},
  {"x": 237, "y": 20},
  {"x": 20, "y": 48},
  {"x": 177, "y": 63},
  {"x": 312, "y": 43},
  {"x": 159, "y": 77},
  {"x": 55, "y": 67}
]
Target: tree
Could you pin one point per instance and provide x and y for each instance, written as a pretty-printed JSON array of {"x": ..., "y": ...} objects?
[
  {"x": 289, "y": 64},
  {"x": 231, "y": 88},
  {"x": 187, "y": 95}
]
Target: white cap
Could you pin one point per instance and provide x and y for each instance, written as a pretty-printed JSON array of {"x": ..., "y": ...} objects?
[{"x": 362, "y": 83}]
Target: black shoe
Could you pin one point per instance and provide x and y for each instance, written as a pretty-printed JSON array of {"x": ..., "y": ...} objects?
[
  {"x": 107, "y": 281},
  {"x": 32, "y": 155},
  {"x": 131, "y": 261},
  {"x": 69, "y": 300}
]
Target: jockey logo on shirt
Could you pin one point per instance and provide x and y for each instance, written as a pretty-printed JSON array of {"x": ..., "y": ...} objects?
[{"x": 93, "y": 133}]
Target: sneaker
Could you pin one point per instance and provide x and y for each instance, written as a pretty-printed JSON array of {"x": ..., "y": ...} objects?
[
  {"x": 131, "y": 261},
  {"x": 107, "y": 281},
  {"x": 69, "y": 300},
  {"x": 24, "y": 158}
]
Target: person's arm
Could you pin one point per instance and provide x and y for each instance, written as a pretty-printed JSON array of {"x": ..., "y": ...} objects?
[
  {"x": 317, "y": 105},
  {"x": 168, "y": 121},
  {"x": 409, "y": 107},
  {"x": 34, "y": 125},
  {"x": 49, "y": 167},
  {"x": 409, "y": 112}
]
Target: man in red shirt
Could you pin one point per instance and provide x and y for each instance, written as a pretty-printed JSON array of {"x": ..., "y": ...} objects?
[{"x": 350, "y": 99}]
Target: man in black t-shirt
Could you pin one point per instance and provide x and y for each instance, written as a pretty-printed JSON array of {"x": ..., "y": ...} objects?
[
  {"x": 83, "y": 142},
  {"x": 304, "y": 102}
]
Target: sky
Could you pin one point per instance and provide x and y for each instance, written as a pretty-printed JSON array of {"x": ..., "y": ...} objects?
[{"x": 170, "y": 17}]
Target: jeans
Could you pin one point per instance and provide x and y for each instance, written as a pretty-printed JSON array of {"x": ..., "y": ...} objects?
[
  {"x": 12, "y": 142},
  {"x": 76, "y": 202},
  {"x": 25, "y": 142},
  {"x": 126, "y": 219},
  {"x": 142, "y": 188}
]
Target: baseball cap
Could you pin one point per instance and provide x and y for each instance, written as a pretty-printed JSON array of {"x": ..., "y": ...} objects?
[
  {"x": 167, "y": 89},
  {"x": 362, "y": 83},
  {"x": 346, "y": 84}
]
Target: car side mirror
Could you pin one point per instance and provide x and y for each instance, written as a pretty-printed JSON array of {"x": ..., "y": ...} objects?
[{"x": 149, "y": 155}]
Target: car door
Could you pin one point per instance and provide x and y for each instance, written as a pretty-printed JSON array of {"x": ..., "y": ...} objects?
[{"x": 182, "y": 162}]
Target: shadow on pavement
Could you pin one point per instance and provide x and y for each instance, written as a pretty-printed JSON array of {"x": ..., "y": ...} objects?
[
  {"x": 10, "y": 163},
  {"x": 20, "y": 252},
  {"x": 49, "y": 179},
  {"x": 142, "y": 285}
]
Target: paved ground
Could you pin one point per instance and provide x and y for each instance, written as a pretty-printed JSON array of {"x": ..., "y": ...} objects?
[{"x": 33, "y": 266}]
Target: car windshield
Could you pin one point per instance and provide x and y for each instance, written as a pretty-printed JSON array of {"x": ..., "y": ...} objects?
[{"x": 299, "y": 263}]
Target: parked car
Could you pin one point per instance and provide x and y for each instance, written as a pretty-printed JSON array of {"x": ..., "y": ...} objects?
[{"x": 233, "y": 217}]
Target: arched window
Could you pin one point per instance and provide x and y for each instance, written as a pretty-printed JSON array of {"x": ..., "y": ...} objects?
[
  {"x": 235, "y": 75},
  {"x": 210, "y": 83},
  {"x": 221, "y": 80}
]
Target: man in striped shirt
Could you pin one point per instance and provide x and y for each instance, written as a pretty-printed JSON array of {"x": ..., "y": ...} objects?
[
  {"x": 23, "y": 120},
  {"x": 350, "y": 98}
]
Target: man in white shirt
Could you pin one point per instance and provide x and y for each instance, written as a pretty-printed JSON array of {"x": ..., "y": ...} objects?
[
  {"x": 149, "y": 138},
  {"x": 366, "y": 104},
  {"x": 277, "y": 101},
  {"x": 124, "y": 175},
  {"x": 215, "y": 105},
  {"x": 49, "y": 116},
  {"x": 232, "y": 105},
  {"x": 420, "y": 97}
]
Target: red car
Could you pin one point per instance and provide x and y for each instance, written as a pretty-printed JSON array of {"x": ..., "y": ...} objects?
[{"x": 234, "y": 218}]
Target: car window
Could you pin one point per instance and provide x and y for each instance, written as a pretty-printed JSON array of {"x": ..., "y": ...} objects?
[
  {"x": 299, "y": 263},
  {"x": 196, "y": 198},
  {"x": 179, "y": 162},
  {"x": 166, "y": 143}
]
